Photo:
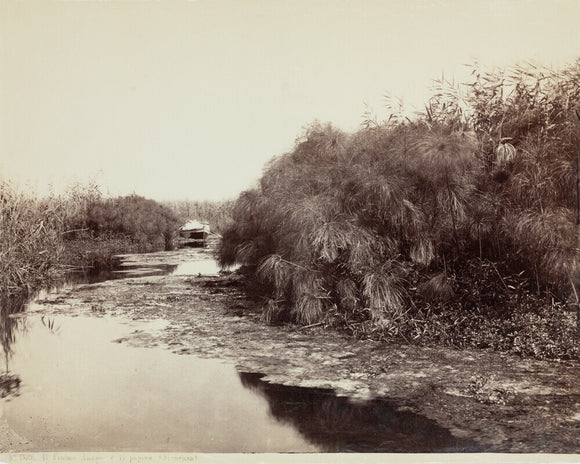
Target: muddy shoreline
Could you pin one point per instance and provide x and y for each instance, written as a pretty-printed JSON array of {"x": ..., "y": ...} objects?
[{"x": 499, "y": 402}]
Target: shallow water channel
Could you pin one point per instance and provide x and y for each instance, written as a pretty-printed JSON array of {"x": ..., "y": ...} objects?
[{"x": 83, "y": 389}]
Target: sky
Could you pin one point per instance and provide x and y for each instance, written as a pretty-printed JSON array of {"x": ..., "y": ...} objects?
[{"x": 181, "y": 99}]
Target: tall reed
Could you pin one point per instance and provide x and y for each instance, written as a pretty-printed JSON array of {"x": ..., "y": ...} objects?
[
  {"x": 43, "y": 238},
  {"x": 30, "y": 242}
]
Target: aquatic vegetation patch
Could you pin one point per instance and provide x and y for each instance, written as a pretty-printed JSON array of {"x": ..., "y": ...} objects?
[
  {"x": 42, "y": 239},
  {"x": 464, "y": 213}
]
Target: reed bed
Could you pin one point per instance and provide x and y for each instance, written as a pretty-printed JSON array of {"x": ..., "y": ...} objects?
[
  {"x": 30, "y": 242},
  {"x": 41, "y": 239}
]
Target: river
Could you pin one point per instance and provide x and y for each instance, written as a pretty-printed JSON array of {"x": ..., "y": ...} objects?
[{"x": 146, "y": 359}]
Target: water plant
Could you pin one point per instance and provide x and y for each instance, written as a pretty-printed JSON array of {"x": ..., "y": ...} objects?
[
  {"x": 41, "y": 238},
  {"x": 30, "y": 241},
  {"x": 412, "y": 216}
]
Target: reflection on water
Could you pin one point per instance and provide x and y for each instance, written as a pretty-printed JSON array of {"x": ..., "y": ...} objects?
[
  {"x": 9, "y": 326},
  {"x": 141, "y": 270},
  {"x": 10, "y": 307},
  {"x": 80, "y": 391},
  {"x": 9, "y": 385},
  {"x": 338, "y": 424},
  {"x": 204, "y": 267}
]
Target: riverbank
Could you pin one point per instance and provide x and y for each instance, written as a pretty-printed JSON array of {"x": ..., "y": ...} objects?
[{"x": 500, "y": 402}]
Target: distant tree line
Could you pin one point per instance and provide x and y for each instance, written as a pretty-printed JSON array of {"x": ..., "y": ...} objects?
[{"x": 218, "y": 214}]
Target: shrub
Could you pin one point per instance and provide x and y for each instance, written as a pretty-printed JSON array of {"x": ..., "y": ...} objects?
[
  {"x": 149, "y": 225},
  {"x": 363, "y": 209}
]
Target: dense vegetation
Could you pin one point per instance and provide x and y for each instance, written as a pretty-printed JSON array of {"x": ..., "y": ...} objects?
[
  {"x": 30, "y": 242},
  {"x": 43, "y": 238},
  {"x": 457, "y": 226}
]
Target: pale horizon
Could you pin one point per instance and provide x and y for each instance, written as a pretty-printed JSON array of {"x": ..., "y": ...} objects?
[{"x": 180, "y": 99}]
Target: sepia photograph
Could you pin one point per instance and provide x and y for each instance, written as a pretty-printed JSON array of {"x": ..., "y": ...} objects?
[{"x": 289, "y": 231}]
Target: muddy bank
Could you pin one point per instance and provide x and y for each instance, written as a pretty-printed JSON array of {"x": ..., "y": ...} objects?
[{"x": 499, "y": 402}]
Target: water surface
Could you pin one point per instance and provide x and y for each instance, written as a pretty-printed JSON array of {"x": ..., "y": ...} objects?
[
  {"x": 81, "y": 391},
  {"x": 84, "y": 388}
]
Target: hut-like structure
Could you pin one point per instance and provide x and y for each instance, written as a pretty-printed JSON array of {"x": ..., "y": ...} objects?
[{"x": 193, "y": 233}]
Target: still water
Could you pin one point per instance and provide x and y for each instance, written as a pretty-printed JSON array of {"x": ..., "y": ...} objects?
[{"x": 81, "y": 390}]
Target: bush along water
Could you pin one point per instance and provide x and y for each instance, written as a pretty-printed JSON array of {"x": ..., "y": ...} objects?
[
  {"x": 41, "y": 239},
  {"x": 456, "y": 227},
  {"x": 145, "y": 224}
]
